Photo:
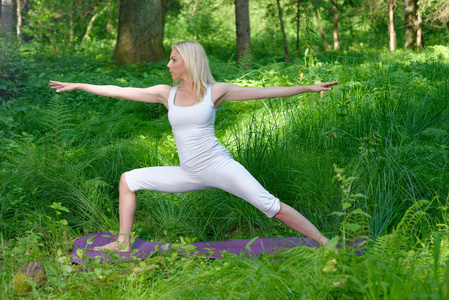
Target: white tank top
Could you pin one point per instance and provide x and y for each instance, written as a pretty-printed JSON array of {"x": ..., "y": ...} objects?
[{"x": 193, "y": 129}]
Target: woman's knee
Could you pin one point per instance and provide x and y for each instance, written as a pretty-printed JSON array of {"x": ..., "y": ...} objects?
[
  {"x": 281, "y": 211},
  {"x": 124, "y": 184}
]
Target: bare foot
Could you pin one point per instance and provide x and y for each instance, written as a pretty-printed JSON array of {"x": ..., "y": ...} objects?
[{"x": 114, "y": 246}]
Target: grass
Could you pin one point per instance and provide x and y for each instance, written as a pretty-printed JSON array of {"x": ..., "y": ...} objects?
[{"x": 385, "y": 127}]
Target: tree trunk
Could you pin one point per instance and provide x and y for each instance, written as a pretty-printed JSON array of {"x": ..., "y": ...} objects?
[
  {"x": 391, "y": 27},
  {"x": 72, "y": 27},
  {"x": 109, "y": 26},
  {"x": 298, "y": 6},
  {"x": 413, "y": 34},
  {"x": 243, "y": 32},
  {"x": 194, "y": 8},
  {"x": 323, "y": 36},
  {"x": 410, "y": 32},
  {"x": 92, "y": 20},
  {"x": 335, "y": 20},
  {"x": 284, "y": 36},
  {"x": 140, "y": 31},
  {"x": 420, "y": 33},
  {"x": 7, "y": 17},
  {"x": 19, "y": 20}
]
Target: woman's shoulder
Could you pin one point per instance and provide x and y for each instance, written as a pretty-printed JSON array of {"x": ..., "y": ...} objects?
[
  {"x": 219, "y": 91},
  {"x": 221, "y": 84},
  {"x": 221, "y": 87},
  {"x": 161, "y": 89}
]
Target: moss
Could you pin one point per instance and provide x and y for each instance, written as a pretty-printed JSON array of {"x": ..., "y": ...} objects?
[{"x": 33, "y": 271}]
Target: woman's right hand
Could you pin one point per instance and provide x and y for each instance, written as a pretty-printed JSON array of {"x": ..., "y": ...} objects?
[{"x": 62, "y": 86}]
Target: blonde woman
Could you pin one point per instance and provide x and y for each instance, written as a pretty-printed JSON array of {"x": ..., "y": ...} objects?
[{"x": 204, "y": 163}]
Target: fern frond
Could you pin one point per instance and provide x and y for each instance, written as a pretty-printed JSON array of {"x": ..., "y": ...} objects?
[
  {"x": 59, "y": 122},
  {"x": 399, "y": 239},
  {"x": 389, "y": 244},
  {"x": 412, "y": 216}
]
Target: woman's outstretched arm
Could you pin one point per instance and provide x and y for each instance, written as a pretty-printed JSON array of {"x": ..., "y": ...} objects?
[
  {"x": 154, "y": 94},
  {"x": 231, "y": 92}
]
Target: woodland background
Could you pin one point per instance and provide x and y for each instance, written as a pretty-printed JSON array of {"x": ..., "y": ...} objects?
[{"x": 368, "y": 159}]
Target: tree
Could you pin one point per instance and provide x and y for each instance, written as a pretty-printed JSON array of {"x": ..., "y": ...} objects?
[
  {"x": 243, "y": 32},
  {"x": 298, "y": 19},
  {"x": 335, "y": 21},
  {"x": 6, "y": 16},
  {"x": 320, "y": 29},
  {"x": 140, "y": 31},
  {"x": 284, "y": 36},
  {"x": 391, "y": 27},
  {"x": 65, "y": 23},
  {"x": 19, "y": 7},
  {"x": 101, "y": 9},
  {"x": 413, "y": 34},
  {"x": 438, "y": 12}
]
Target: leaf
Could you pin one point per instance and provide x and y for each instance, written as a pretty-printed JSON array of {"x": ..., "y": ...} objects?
[
  {"x": 176, "y": 246},
  {"x": 79, "y": 252},
  {"x": 90, "y": 240},
  {"x": 338, "y": 213},
  {"x": 98, "y": 271},
  {"x": 436, "y": 252},
  {"x": 67, "y": 269},
  {"x": 350, "y": 178},
  {"x": 346, "y": 205},
  {"x": 189, "y": 247},
  {"x": 359, "y": 211},
  {"x": 56, "y": 205},
  {"x": 332, "y": 243},
  {"x": 359, "y": 195},
  {"x": 352, "y": 227},
  {"x": 247, "y": 247}
]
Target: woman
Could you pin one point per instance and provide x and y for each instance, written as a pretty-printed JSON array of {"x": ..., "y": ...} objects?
[{"x": 204, "y": 163}]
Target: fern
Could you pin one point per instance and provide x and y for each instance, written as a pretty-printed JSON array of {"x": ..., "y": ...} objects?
[
  {"x": 412, "y": 217},
  {"x": 59, "y": 123},
  {"x": 245, "y": 60},
  {"x": 58, "y": 139},
  {"x": 400, "y": 238}
]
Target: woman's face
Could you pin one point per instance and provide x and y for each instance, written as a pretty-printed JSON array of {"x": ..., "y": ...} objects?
[{"x": 176, "y": 66}]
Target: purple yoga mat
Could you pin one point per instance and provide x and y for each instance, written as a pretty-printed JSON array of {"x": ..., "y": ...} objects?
[{"x": 83, "y": 247}]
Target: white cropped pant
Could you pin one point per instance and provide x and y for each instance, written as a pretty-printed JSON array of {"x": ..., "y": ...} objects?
[{"x": 228, "y": 175}]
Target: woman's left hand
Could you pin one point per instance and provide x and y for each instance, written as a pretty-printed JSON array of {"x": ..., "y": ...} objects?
[{"x": 321, "y": 87}]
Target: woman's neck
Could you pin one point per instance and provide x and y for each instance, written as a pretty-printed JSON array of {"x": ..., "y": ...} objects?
[{"x": 186, "y": 85}]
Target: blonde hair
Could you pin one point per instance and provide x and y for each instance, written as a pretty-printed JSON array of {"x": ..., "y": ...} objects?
[{"x": 196, "y": 64}]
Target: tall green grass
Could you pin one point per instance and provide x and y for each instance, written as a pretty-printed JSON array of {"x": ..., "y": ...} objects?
[{"x": 385, "y": 126}]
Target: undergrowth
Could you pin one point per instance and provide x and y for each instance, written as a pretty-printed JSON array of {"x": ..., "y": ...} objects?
[{"x": 366, "y": 161}]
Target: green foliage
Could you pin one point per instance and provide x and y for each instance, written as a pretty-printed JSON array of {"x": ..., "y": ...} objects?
[
  {"x": 62, "y": 24},
  {"x": 208, "y": 22},
  {"x": 13, "y": 69},
  {"x": 61, "y": 157},
  {"x": 354, "y": 223}
]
